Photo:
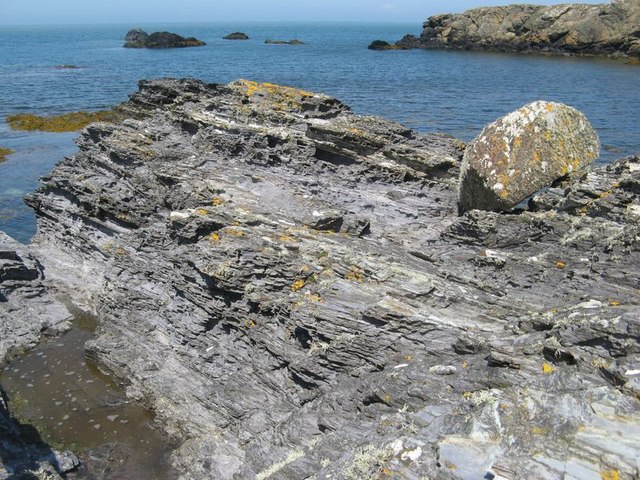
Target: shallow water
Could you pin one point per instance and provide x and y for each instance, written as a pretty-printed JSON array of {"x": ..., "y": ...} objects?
[
  {"x": 74, "y": 406},
  {"x": 431, "y": 91}
]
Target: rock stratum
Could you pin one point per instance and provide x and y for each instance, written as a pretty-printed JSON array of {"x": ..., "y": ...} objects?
[
  {"x": 289, "y": 287},
  {"x": 609, "y": 29}
]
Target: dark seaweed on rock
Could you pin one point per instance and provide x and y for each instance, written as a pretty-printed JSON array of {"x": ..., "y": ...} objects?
[{"x": 289, "y": 286}]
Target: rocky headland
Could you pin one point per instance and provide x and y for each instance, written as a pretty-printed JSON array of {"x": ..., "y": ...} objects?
[
  {"x": 608, "y": 29},
  {"x": 290, "y": 287},
  {"x": 138, "y": 38}
]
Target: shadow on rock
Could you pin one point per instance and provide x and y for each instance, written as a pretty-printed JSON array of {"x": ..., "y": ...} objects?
[{"x": 24, "y": 455}]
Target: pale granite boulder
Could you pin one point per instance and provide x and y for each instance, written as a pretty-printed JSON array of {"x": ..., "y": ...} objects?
[{"x": 522, "y": 152}]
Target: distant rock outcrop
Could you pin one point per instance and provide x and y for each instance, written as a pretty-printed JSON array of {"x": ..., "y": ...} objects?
[
  {"x": 295, "y": 41},
  {"x": 138, "y": 38},
  {"x": 236, "y": 36},
  {"x": 522, "y": 152},
  {"x": 382, "y": 45},
  {"x": 610, "y": 29}
]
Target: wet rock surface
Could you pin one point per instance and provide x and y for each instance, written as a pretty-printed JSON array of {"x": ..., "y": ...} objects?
[
  {"x": 290, "y": 288},
  {"x": 609, "y": 29},
  {"x": 236, "y": 36},
  {"x": 138, "y": 38},
  {"x": 522, "y": 152},
  {"x": 27, "y": 310}
]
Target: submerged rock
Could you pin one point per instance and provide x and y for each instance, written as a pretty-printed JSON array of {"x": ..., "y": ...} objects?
[
  {"x": 4, "y": 153},
  {"x": 138, "y": 38},
  {"x": 575, "y": 29},
  {"x": 522, "y": 152},
  {"x": 295, "y": 41},
  {"x": 290, "y": 288},
  {"x": 236, "y": 36}
]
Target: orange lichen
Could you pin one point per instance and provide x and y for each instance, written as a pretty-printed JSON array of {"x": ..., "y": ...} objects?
[
  {"x": 547, "y": 368},
  {"x": 236, "y": 232},
  {"x": 297, "y": 285},
  {"x": 610, "y": 475},
  {"x": 355, "y": 274},
  {"x": 559, "y": 264}
]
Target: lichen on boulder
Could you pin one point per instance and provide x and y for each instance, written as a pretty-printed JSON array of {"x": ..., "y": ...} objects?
[{"x": 522, "y": 152}]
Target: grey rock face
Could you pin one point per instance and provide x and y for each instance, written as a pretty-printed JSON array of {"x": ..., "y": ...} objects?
[
  {"x": 140, "y": 39},
  {"x": 26, "y": 308},
  {"x": 576, "y": 29},
  {"x": 522, "y": 152},
  {"x": 289, "y": 286}
]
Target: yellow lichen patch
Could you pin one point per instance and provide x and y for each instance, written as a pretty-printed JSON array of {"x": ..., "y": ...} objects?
[
  {"x": 297, "y": 285},
  {"x": 68, "y": 122},
  {"x": 354, "y": 274},
  {"x": 613, "y": 303},
  {"x": 408, "y": 358},
  {"x": 559, "y": 264},
  {"x": 281, "y": 97},
  {"x": 217, "y": 201},
  {"x": 286, "y": 238},
  {"x": 549, "y": 107},
  {"x": 236, "y": 232},
  {"x": 313, "y": 298},
  {"x": 467, "y": 395},
  {"x": 202, "y": 211},
  {"x": 547, "y": 368},
  {"x": 4, "y": 152},
  {"x": 539, "y": 431},
  {"x": 249, "y": 323},
  {"x": 610, "y": 475},
  {"x": 214, "y": 237}
]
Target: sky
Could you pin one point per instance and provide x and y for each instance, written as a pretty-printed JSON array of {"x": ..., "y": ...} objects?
[{"x": 63, "y": 12}]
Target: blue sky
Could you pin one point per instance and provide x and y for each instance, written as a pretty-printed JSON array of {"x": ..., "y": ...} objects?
[{"x": 28, "y": 12}]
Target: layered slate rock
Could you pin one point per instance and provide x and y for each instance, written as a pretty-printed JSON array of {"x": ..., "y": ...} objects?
[
  {"x": 575, "y": 29},
  {"x": 27, "y": 310},
  {"x": 289, "y": 286},
  {"x": 522, "y": 152},
  {"x": 137, "y": 38}
]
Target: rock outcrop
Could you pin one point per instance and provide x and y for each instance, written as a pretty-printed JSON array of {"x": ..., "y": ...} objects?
[
  {"x": 137, "y": 38},
  {"x": 610, "y": 29},
  {"x": 295, "y": 41},
  {"x": 27, "y": 310},
  {"x": 382, "y": 45},
  {"x": 289, "y": 286},
  {"x": 236, "y": 36},
  {"x": 522, "y": 152}
]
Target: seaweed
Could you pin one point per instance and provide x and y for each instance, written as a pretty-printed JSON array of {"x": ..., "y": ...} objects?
[{"x": 67, "y": 122}]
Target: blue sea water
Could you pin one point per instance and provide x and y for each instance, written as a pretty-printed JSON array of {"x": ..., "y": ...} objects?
[{"x": 430, "y": 91}]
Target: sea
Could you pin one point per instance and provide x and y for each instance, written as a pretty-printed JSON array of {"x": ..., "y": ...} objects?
[{"x": 430, "y": 91}]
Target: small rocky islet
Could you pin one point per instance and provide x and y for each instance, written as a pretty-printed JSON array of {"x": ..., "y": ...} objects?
[
  {"x": 137, "y": 38},
  {"x": 292, "y": 289}
]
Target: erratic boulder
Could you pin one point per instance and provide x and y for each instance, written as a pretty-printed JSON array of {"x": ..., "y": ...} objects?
[
  {"x": 140, "y": 39},
  {"x": 522, "y": 152}
]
